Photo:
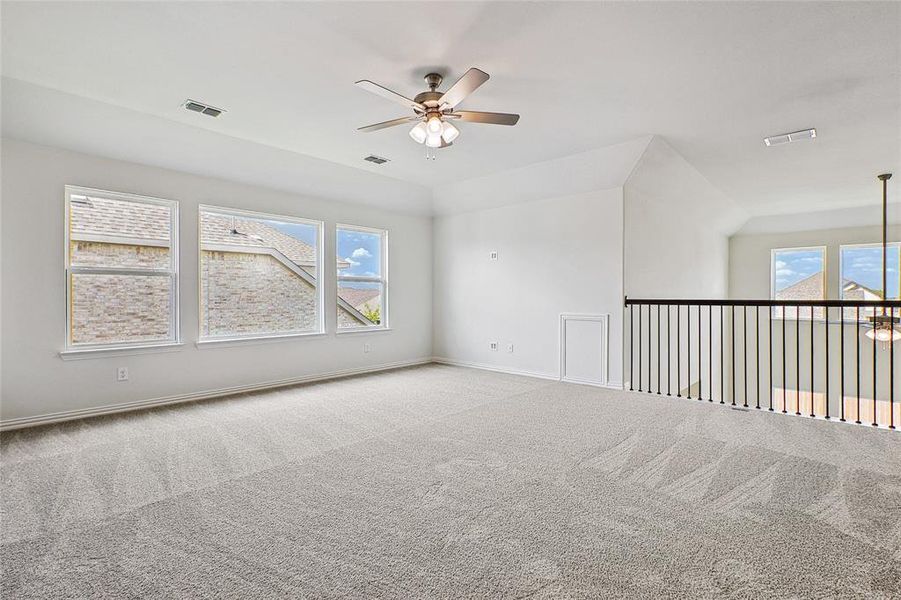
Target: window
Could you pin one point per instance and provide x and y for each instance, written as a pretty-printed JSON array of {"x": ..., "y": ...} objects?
[
  {"x": 259, "y": 275},
  {"x": 798, "y": 274},
  {"x": 861, "y": 274},
  {"x": 362, "y": 255},
  {"x": 121, "y": 269}
]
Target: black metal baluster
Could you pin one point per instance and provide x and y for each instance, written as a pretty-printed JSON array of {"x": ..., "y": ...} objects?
[
  {"x": 798, "y": 360},
  {"x": 669, "y": 350},
  {"x": 812, "y": 411},
  {"x": 842, "y": 362},
  {"x": 640, "y": 355},
  {"x": 700, "y": 370},
  {"x": 757, "y": 348},
  {"x": 732, "y": 315},
  {"x": 744, "y": 352},
  {"x": 658, "y": 349},
  {"x": 678, "y": 351},
  {"x": 631, "y": 345},
  {"x": 688, "y": 347},
  {"x": 710, "y": 352},
  {"x": 784, "y": 379},
  {"x": 891, "y": 378},
  {"x": 770, "y": 319},
  {"x": 857, "y": 336},
  {"x": 826, "y": 309},
  {"x": 875, "y": 423},
  {"x": 650, "y": 351},
  {"x": 722, "y": 355}
]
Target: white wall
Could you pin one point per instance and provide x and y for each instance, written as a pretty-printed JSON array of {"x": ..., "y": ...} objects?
[
  {"x": 676, "y": 233},
  {"x": 37, "y": 382},
  {"x": 554, "y": 256}
]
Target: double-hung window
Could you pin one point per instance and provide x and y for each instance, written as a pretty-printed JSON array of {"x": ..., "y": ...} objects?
[
  {"x": 259, "y": 275},
  {"x": 798, "y": 274},
  {"x": 362, "y": 254},
  {"x": 121, "y": 270}
]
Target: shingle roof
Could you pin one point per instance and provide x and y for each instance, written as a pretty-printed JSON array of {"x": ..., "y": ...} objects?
[
  {"x": 358, "y": 298},
  {"x": 809, "y": 288},
  {"x": 103, "y": 216},
  {"x": 218, "y": 229}
]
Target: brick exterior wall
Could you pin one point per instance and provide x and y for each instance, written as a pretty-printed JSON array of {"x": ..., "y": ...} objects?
[
  {"x": 119, "y": 308},
  {"x": 126, "y": 256}
]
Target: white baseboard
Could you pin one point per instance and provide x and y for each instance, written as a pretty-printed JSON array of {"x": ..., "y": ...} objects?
[
  {"x": 82, "y": 413},
  {"x": 484, "y": 367}
]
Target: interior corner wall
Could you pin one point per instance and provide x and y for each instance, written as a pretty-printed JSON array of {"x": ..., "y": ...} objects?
[
  {"x": 676, "y": 245},
  {"x": 36, "y": 381},
  {"x": 558, "y": 255}
]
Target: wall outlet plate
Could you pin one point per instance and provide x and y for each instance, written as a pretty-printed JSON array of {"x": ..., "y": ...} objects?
[
  {"x": 122, "y": 374},
  {"x": 492, "y": 255},
  {"x": 492, "y": 346},
  {"x": 509, "y": 347},
  {"x": 366, "y": 347}
]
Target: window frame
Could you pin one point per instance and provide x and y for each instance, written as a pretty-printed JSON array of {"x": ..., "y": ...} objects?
[
  {"x": 841, "y": 258},
  {"x": 825, "y": 291},
  {"x": 381, "y": 280},
  {"x": 172, "y": 272},
  {"x": 202, "y": 340}
]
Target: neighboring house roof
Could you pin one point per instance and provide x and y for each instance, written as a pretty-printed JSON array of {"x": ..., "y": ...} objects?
[
  {"x": 104, "y": 217},
  {"x": 360, "y": 298},
  {"x": 851, "y": 290},
  {"x": 809, "y": 288}
]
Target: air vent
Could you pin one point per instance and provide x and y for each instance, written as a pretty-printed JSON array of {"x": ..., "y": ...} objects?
[
  {"x": 204, "y": 109},
  {"x": 376, "y": 159},
  {"x": 787, "y": 138}
]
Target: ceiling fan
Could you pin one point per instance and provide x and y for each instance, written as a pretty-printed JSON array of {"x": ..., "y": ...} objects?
[{"x": 433, "y": 111}]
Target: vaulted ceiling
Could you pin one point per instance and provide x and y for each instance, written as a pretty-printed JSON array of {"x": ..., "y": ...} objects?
[{"x": 711, "y": 78}]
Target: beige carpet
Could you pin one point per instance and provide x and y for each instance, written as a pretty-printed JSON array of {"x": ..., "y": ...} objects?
[{"x": 442, "y": 482}]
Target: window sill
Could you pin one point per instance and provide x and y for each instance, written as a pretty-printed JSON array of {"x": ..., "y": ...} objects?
[
  {"x": 249, "y": 341},
  {"x": 350, "y": 330},
  {"x": 86, "y": 353}
]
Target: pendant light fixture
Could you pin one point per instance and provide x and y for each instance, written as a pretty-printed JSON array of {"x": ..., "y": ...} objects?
[{"x": 883, "y": 327}]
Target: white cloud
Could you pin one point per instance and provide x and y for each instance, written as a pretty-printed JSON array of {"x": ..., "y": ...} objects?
[
  {"x": 784, "y": 273},
  {"x": 352, "y": 262},
  {"x": 781, "y": 264},
  {"x": 361, "y": 253}
]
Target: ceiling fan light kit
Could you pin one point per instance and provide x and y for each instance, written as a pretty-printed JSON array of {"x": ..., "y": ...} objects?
[{"x": 433, "y": 110}]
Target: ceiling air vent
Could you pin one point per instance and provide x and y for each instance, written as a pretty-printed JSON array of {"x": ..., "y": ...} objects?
[
  {"x": 787, "y": 138},
  {"x": 205, "y": 109},
  {"x": 376, "y": 159}
]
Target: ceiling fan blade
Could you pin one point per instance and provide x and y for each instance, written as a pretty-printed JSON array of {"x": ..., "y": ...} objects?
[
  {"x": 464, "y": 86},
  {"x": 384, "y": 92},
  {"x": 474, "y": 116},
  {"x": 386, "y": 124}
]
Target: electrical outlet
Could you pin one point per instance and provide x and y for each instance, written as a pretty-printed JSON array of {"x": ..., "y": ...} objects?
[
  {"x": 492, "y": 255},
  {"x": 366, "y": 347},
  {"x": 492, "y": 346},
  {"x": 122, "y": 374},
  {"x": 509, "y": 347}
]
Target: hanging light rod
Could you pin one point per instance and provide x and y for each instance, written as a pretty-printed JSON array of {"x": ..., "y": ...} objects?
[{"x": 883, "y": 326}]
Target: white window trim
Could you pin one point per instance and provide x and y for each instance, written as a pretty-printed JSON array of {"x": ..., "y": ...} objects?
[
  {"x": 787, "y": 315},
  {"x": 117, "y": 348},
  {"x": 383, "y": 279},
  {"x": 230, "y": 340}
]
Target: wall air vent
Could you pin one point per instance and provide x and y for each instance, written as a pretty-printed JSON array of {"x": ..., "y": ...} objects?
[
  {"x": 376, "y": 159},
  {"x": 204, "y": 109},
  {"x": 787, "y": 138}
]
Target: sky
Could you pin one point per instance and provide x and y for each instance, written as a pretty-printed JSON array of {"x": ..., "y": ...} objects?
[{"x": 860, "y": 264}]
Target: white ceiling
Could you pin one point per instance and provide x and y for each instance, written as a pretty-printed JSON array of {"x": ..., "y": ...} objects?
[{"x": 712, "y": 79}]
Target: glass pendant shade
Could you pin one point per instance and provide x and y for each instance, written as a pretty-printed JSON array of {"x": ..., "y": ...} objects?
[
  {"x": 434, "y": 125},
  {"x": 449, "y": 132},
  {"x": 884, "y": 333},
  {"x": 419, "y": 133},
  {"x": 433, "y": 140}
]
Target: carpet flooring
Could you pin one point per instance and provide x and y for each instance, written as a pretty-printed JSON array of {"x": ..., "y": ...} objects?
[{"x": 443, "y": 482}]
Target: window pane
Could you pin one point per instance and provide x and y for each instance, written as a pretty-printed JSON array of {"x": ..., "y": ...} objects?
[
  {"x": 119, "y": 233},
  {"x": 257, "y": 276},
  {"x": 359, "y": 304},
  {"x": 359, "y": 253},
  {"x": 798, "y": 275},
  {"x": 862, "y": 275},
  {"x": 120, "y": 308}
]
